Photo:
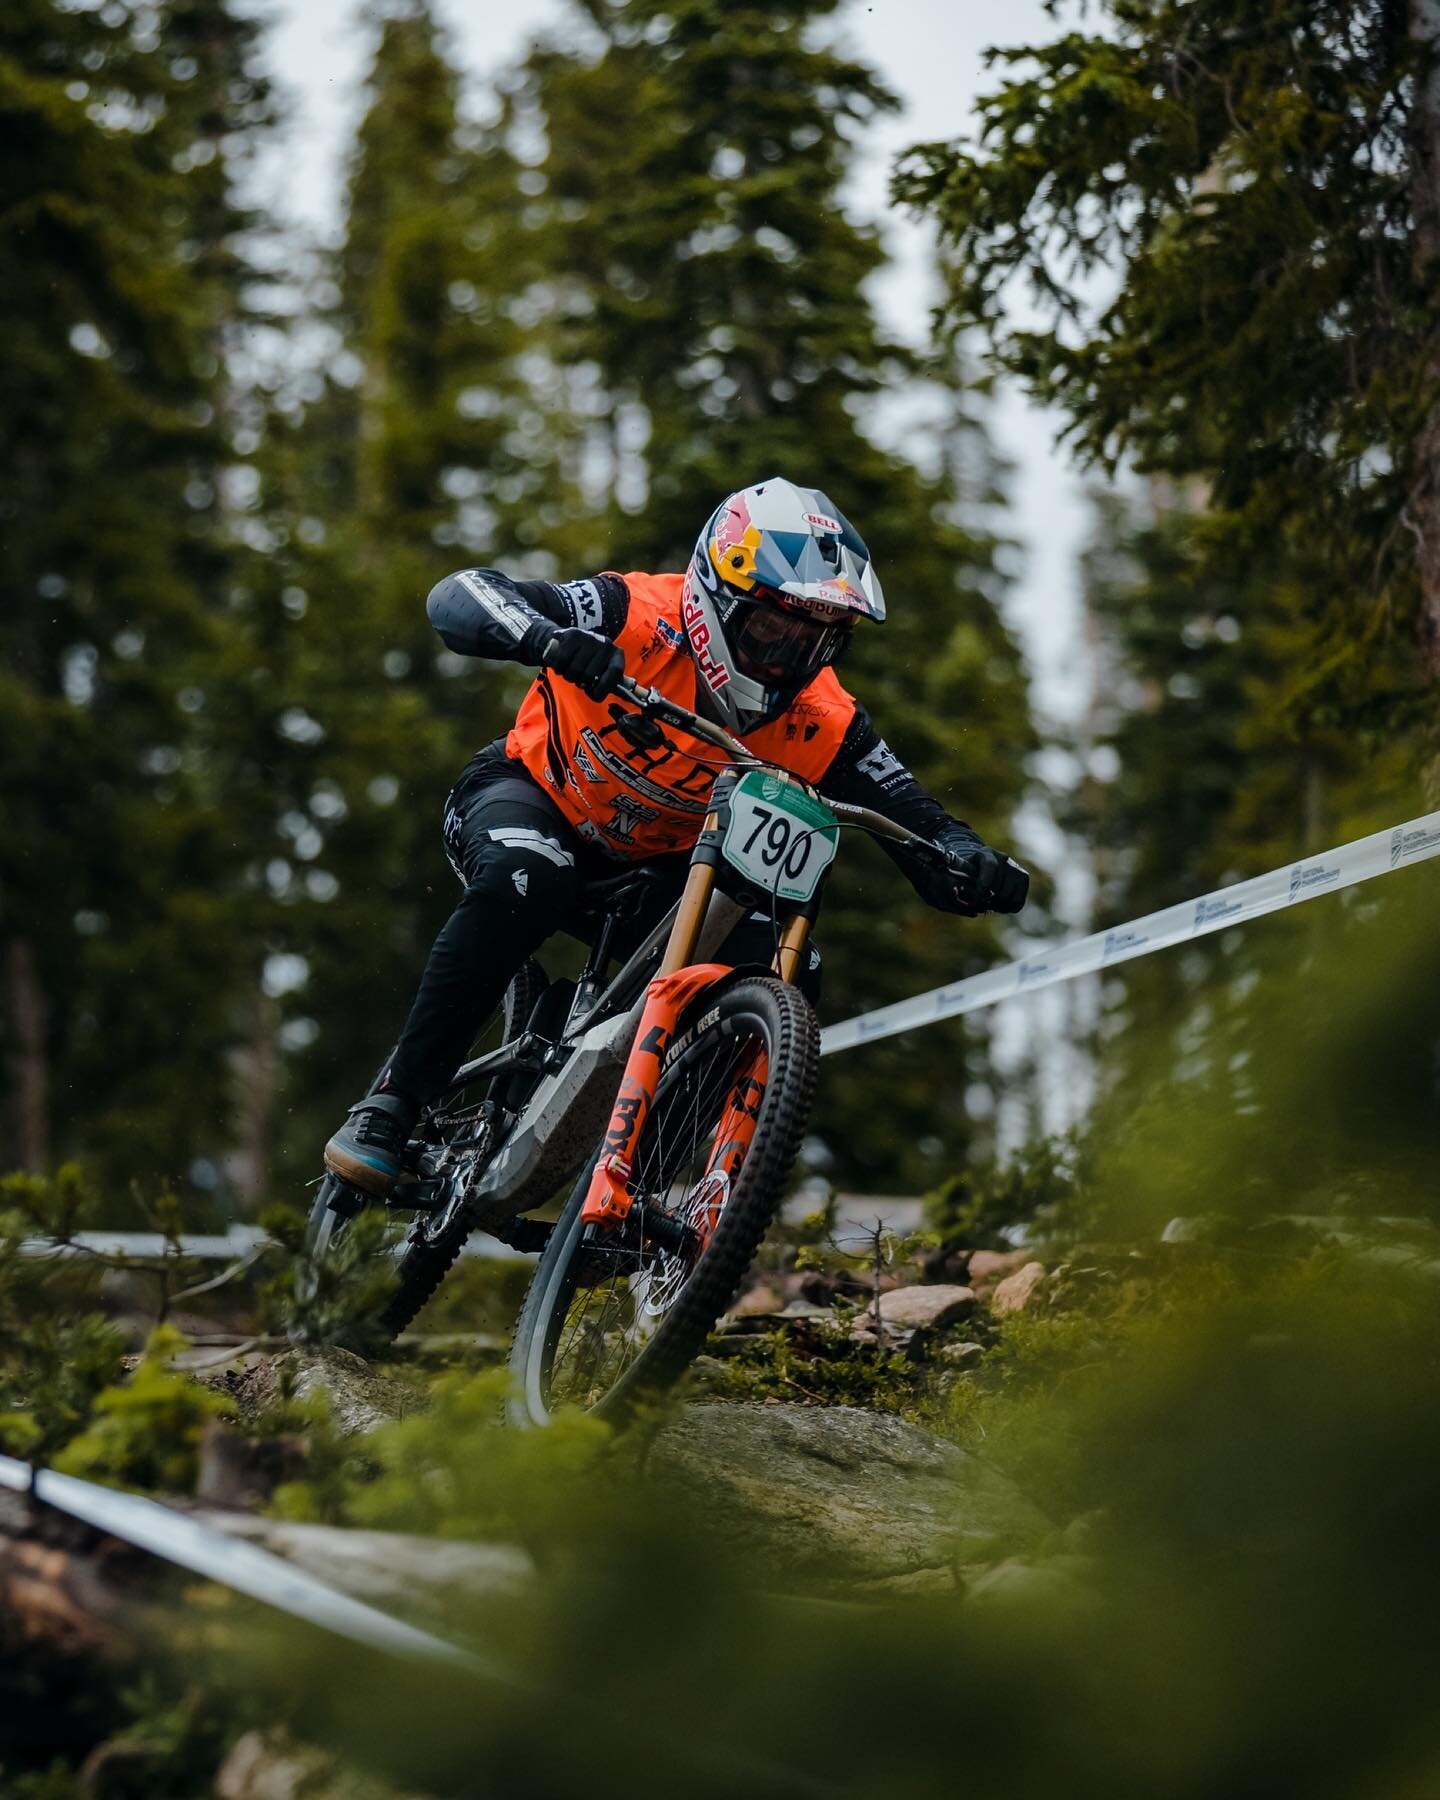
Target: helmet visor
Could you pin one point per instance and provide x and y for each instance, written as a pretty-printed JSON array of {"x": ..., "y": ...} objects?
[{"x": 780, "y": 647}]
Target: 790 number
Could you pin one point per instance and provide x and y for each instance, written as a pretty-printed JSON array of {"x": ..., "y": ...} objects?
[{"x": 783, "y": 849}]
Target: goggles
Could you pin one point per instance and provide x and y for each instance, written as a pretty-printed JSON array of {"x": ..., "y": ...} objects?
[{"x": 775, "y": 644}]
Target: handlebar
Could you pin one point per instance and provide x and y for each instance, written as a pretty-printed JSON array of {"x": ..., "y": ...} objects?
[{"x": 656, "y": 705}]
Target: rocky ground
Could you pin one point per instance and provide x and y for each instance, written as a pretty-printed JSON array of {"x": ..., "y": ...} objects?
[
  {"x": 815, "y": 1488},
  {"x": 814, "y": 1440}
]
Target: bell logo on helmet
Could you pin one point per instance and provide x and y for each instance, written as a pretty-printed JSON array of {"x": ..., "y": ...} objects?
[{"x": 821, "y": 523}]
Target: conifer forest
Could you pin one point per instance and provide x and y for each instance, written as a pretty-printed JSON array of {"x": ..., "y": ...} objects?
[{"x": 1074, "y": 1428}]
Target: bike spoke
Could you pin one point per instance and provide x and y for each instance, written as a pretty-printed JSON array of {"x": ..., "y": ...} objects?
[{"x": 610, "y": 1319}]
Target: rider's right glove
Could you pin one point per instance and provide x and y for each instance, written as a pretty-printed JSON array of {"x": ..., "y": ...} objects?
[{"x": 592, "y": 662}]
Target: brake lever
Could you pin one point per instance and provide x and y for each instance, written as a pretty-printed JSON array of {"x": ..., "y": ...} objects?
[
  {"x": 925, "y": 852},
  {"x": 967, "y": 887}
]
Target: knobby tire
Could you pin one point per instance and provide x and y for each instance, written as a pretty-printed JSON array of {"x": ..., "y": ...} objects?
[{"x": 788, "y": 1026}]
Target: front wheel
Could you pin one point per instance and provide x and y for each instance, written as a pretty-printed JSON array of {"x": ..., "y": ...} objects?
[{"x": 613, "y": 1316}]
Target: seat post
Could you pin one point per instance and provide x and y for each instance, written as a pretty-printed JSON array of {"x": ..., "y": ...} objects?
[{"x": 592, "y": 977}]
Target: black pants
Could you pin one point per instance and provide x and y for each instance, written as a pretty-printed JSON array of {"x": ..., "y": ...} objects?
[{"x": 520, "y": 863}]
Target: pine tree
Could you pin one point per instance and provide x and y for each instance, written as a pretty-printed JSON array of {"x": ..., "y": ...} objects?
[
  {"x": 1217, "y": 768},
  {"x": 1262, "y": 180},
  {"x": 118, "y": 273},
  {"x": 427, "y": 448},
  {"x": 727, "y": 320}
]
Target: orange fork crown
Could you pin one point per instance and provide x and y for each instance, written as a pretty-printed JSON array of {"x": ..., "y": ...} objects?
[{"x": 608, "y": 1198}]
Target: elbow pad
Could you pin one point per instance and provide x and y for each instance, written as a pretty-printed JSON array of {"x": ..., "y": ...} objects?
[{"x": 477, "y": 613}]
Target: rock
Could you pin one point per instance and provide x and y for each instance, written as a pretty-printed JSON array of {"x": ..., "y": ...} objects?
[
  {"x": 394, "y": 1570},
  {"x": 795, "y": 1312},
  {"x": 823, "y": 1286},
  {"x": 1037, "y": 1583},
  {"x": 265, "y": 1765},
  {"x": 1202, "y": 1228},
  {"x": 247, "y": 1381},
  {"x": 989, "y": 1267},
  {"x": 913, "y": 1581},
  {"x": 835, "y": 1495},
  {"x": 236, "y": 1470},
  {"x": 807, "y": 1309},
  {"x": 759, "y": 1300},
  {"x": 1016, "y": 1291},
  {"x": 358, "y": 1398},
  {"x": 925, "y": 1308},
  {"x": 960, "y": 1356}
]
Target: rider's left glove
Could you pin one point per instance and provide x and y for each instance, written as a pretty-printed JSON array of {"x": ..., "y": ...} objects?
[
  {"x": 990, "y": 881},
  {"x": 976, "y": 879}
]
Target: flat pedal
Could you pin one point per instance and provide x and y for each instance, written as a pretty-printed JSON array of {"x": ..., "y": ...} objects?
[{"x": 416, "y": 1196}]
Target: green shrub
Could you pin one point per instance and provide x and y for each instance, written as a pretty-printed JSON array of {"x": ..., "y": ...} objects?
[
  {"x": 145, "y": 1433},
  {"x": 980, "y": 1206},
  {"x": 455, "y": 1470}
]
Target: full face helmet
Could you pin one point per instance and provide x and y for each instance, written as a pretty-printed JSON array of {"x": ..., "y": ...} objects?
[{"x": 777, "y": 581}]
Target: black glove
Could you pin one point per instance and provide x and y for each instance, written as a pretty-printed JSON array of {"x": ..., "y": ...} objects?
[
  {"x": 974, "y": 879},
  {"x": 592, "y": 662}
]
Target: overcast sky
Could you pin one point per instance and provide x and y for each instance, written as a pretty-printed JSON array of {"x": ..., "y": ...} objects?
[{"x": 929, "y": 51}]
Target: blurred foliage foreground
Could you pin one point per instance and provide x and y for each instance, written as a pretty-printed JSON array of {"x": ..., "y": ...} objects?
[{"x": 1216, "y": 1415}]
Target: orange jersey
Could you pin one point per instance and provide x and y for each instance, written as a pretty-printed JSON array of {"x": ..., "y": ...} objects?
[{"x": 634, "y": 802}]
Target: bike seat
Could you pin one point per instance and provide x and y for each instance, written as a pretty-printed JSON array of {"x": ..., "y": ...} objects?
[{"x": 621, "y": 894}]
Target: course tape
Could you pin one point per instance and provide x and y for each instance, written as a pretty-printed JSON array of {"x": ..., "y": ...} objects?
[
  {"x": 232, "y": 1246},
  {"x": 244, "y": 1567},
  {"x": 1361, "y": 860},
  {"x": 257, "y": 1573}
]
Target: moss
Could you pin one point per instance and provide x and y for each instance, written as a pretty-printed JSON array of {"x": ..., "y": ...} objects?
[{"x": 822, "y": 1366}]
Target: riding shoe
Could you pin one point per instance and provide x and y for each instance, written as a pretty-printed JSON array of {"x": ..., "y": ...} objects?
[{"x": 369, "y": 1147}]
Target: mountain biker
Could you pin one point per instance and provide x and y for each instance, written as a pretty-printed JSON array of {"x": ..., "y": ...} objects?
[{"x": 748, "y": 636}]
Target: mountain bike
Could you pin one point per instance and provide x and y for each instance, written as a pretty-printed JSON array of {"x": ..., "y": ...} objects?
[{"x": 672, "y": 1093}]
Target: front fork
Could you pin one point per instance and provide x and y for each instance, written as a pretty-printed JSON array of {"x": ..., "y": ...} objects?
[{"x": 608, "y": 1198}]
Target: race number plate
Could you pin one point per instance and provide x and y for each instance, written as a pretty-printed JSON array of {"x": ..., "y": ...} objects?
[{"x": 779, "y": 837}]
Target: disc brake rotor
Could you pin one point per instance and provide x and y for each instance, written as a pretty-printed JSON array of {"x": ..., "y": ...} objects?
[{"x": 699, "y": 1211}]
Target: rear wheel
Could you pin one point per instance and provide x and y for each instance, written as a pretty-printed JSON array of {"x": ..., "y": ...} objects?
[
  {"x": 420, "y": 1249},
  {"x": 614, "y": 1316}
]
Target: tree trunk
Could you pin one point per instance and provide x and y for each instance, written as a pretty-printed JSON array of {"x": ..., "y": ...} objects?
[
  {"x": 27, "y": 1111},
  {"x": 1424, "y": 25},
  {"x": 256, "y": 1078}
]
